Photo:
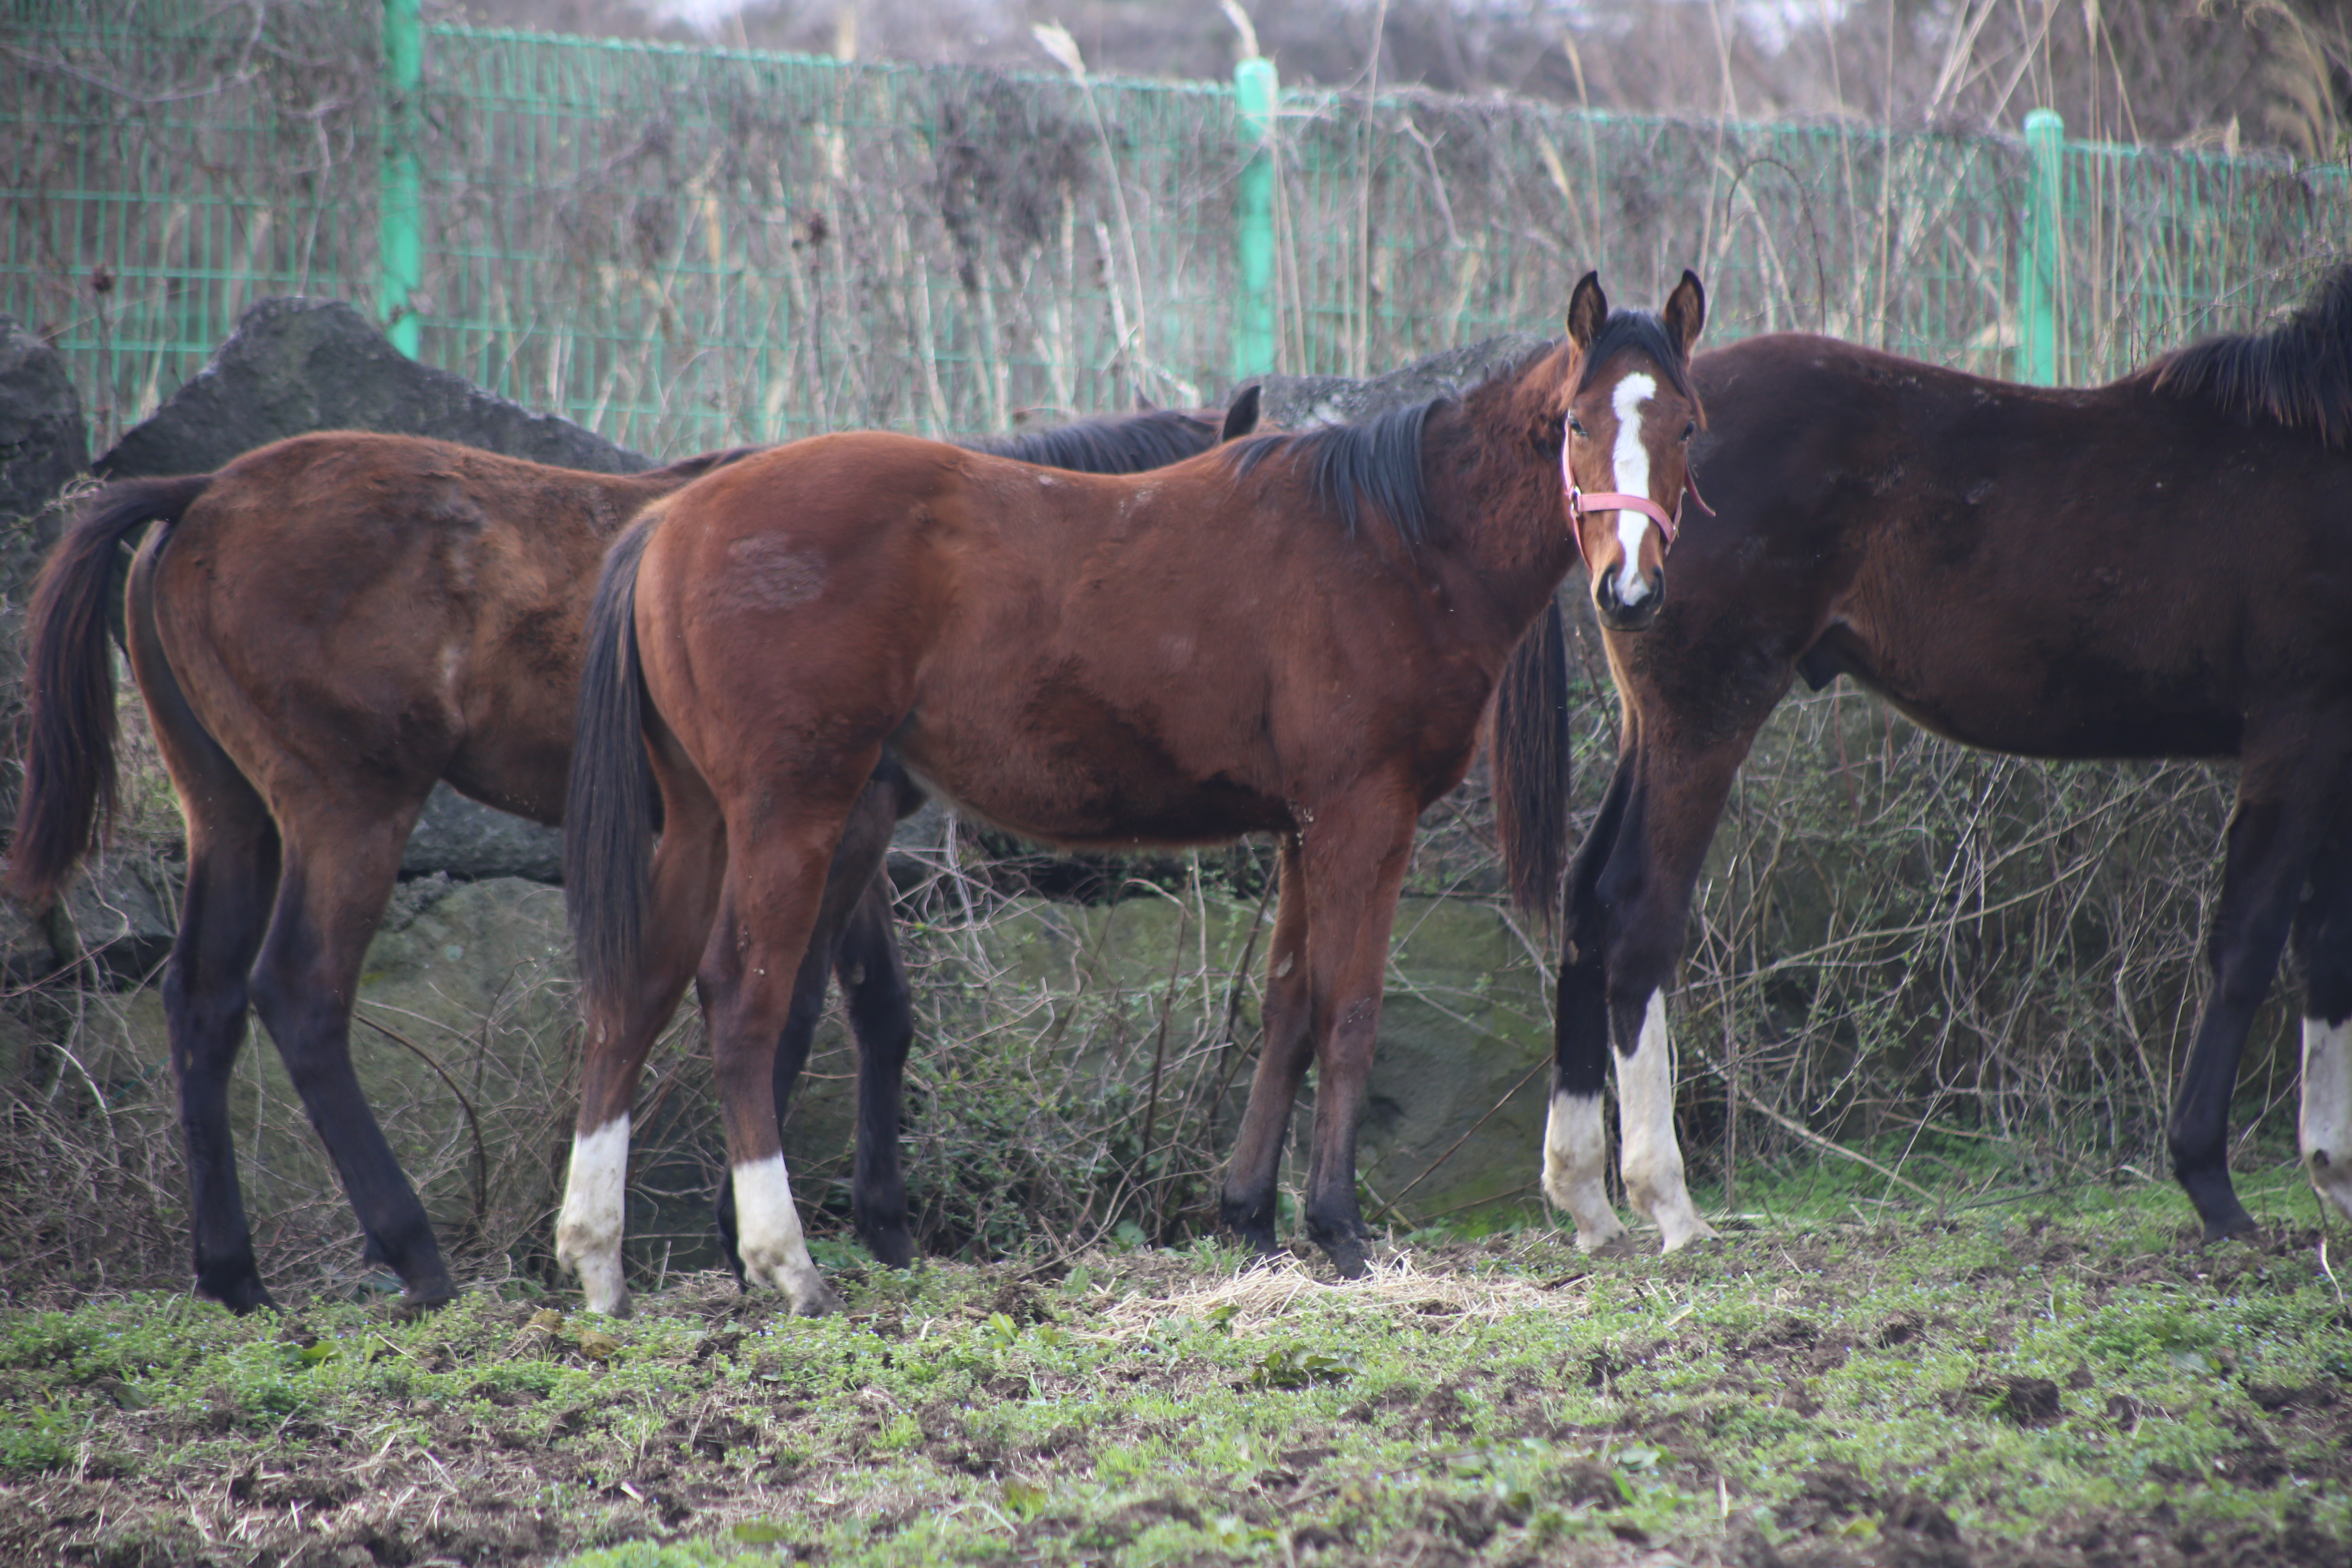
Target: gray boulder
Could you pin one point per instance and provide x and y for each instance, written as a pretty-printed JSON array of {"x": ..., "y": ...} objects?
[
  {"x": 297, "y": 365},
  {"x": 1304, "y": 402},
  {"x": 43, "y": 447},
  {"x": 43, "y": 444},
  {"x": 123, "y": 913},
  {"x": 466, "y": 838}
]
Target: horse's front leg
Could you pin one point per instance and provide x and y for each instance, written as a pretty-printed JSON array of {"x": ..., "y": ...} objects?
[
  {"x": 1576, "y": 1138},
  {"x": 1355, "y": 852},
  {"x": 2287, "y": 792},
  {"x": 2323, "y": 942},
  {"x": 1645, "y": 891},
  {"x": 1251, "y": 1173}
]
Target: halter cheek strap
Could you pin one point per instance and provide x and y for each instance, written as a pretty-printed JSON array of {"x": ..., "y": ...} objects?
[{"x": 1581, "y": 502}]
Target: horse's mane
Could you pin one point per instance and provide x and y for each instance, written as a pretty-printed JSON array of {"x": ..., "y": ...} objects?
[
  {"x": 1126, "y": 446},
  {"x": 2298, "y": 374},
  {"x": 701, "y": 463},
  {"x": 1376, "y": 461}
]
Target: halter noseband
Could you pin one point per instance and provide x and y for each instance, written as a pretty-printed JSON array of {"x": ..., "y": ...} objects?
[{"x": 1581, "y": 502}]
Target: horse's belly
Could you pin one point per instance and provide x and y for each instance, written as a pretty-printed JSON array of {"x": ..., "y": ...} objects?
[
  {"x": 2073, "y": 726},
  {"x": 1113, "y": 787}
]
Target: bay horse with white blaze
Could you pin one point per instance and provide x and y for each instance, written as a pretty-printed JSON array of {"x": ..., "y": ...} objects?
[
  {"x": 2158, "y": 567},
  {"x": 1298, "y": 635},
  {"x": 320, "y": 630}
]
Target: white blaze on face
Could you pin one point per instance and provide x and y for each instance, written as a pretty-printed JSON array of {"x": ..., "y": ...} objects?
[
  {"x": 588, "y": 1233},
  {"x": 1630, "y": 463},
  {"x": 768, "y": 1237},
  {"x": 2326, "y": 1123},
  {"x": 1576, "y": 1153},
  {"x": 1646, "y": 1130}
]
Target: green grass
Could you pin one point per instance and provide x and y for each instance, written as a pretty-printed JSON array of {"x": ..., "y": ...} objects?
[{"x": 2023, "y": 1375}]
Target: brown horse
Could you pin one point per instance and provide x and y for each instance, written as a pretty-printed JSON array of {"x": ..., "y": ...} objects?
[
  {"x": 1298, "y": 635},
  {"x": 2152, "y": 568},
  {"x": 320, "y": 630}
]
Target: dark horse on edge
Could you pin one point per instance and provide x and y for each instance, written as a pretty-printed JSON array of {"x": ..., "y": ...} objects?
[
  {"x": 2158, "y": 567},
  {"x": 1298, "y": 635},
  {"x": 322, "y": 629}
]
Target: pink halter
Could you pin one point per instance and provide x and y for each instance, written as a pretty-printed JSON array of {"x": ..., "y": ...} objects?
[{"x": 1580, "y": 502}]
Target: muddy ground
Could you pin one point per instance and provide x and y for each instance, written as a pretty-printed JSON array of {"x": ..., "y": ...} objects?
[{"x": 2076, "y": 1388}]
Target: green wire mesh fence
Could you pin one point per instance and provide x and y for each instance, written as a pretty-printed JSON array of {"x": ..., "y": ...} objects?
[{"x": 685, "y": 248}]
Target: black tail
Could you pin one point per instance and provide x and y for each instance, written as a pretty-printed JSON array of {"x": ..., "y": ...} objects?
[
  {"x": 613, "y": 808},
  {"x": 69, "y": 732},
  {"x": 1534, "y": 764}
]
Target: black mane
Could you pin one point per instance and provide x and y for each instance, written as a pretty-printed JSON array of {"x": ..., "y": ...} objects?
[
  {"x": 1377, "y": 461},
  {"x": 2298, "y": 375},
  {"x": 1128, "y": 446}
]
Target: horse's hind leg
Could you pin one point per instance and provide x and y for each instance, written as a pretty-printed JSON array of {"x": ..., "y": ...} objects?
[
  {"x": 232, "y": 872},
  {"x": 775, "y": 880},
  {"x": 2323, "y": 933},
  {"x": 225, "y": 908},
  {"x": 683, "y": 893},
  {"x": 881, "y": 1007},
  {"x": 882, "y": 1015},
  {"x": 792, "y": 1046},
  {"x": 339, "y": 870},
  {"x": 874, "y": 985},
  {"x": 2285, "y": 797},
  {"x": 1247, "y": 1207},
  {"x": 1576, "y": 1142}
]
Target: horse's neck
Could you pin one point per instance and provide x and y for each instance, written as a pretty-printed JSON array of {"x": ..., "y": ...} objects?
[{"x": 1506, "y": 525}]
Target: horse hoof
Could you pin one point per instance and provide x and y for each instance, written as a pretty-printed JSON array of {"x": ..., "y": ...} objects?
[
  {"x": 819, "y": 1300},
  {"x": 892, "y": 1248},
  {"x": 416, "y": 1302},
  {"x": 1619, "y": 1244},
  {"x": 2240, "y": 1226},
  {"x": 241, "y": 1293},
  {"x": 241, "y": 1303},
  {"x": 1347, "y": 1256}
]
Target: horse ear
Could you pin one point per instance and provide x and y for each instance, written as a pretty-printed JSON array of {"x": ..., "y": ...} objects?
[
  {"x": 1241, "y": 419},
  {"x": 1686, "y": 311},
  {"x": 1588, "y": 307}
]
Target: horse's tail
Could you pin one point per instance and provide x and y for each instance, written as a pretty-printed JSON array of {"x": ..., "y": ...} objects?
[
  {"x": 612, "y": 807},
  {"x": 69, "y": 731},
  {"x": 1533, "y": 753}
]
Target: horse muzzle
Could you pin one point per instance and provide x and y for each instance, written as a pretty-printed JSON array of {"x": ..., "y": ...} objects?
[{"x": 1619, "y": 615}]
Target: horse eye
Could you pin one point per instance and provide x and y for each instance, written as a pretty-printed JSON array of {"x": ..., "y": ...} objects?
[
  {"x": 1690, "y": 429},
  {"x": 1575, "y": 425}
]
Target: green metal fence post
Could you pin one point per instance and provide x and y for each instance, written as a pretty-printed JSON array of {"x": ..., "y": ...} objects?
[
  {"x": 399, "y": 205},
  {"x": 2037, "y": 305},
  {"x": 1255, "y": 95}
]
